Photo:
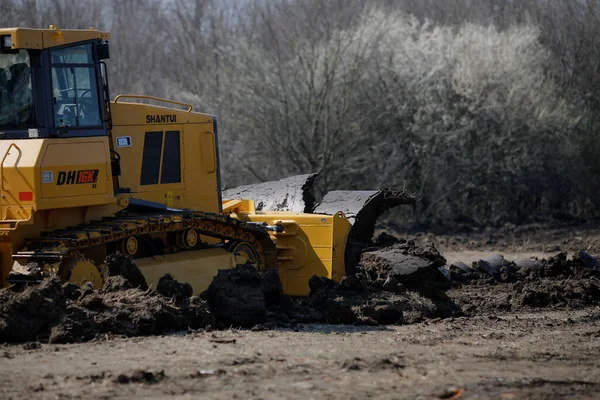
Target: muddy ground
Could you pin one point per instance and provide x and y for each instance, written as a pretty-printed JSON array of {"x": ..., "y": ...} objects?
[
  {"x": 497, "y": 330},
  {"x": 542, "y": 355}
]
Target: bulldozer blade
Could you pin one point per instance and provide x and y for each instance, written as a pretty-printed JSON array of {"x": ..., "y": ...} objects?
[
  {"x": 362, "y": 208},
  {"x": 294, "y": 194},
  {"x": 289, "y": 194}
]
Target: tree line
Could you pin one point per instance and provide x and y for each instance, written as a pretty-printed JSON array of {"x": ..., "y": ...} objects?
[{"x": 487, "y": 109}]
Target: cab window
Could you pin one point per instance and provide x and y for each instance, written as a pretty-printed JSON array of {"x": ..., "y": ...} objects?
[
  {"x": 16, "y": 100},
  {"x": 75, "y": 89}
]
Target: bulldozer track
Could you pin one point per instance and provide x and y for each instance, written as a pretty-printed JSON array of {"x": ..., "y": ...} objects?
[{"x": 70, "y": 242}]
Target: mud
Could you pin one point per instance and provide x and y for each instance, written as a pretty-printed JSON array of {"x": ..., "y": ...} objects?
[
  {"x": 494, "y": 284},
  {"x": 529, "y": 330},
  {"x": 395, "y": 282},
  {"x": 351, "y": 302},
  {"x": 169, "y": 287},
  {"x": 26, "y": 315},
  {"x": 362, "y": 208},
  {"x": 121, "y": 266},
  {"x": 236, "y": 297},
  {"x": 289, "y": 194},
  {"x": 71, "y": 313},
  {"x": 141, "y": 376}
]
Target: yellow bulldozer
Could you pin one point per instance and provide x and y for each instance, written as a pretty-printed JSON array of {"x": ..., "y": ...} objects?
[{"x": 83, "y": 176}]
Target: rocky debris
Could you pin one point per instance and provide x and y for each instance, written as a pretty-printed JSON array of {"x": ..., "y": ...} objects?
[
  {"x": 526, "y": 264},
  {"x": 587, "y": 261},
  {"x": 392, "y": 285},
  {"x": 393, "y": 262},
  {"x": 397, "y": 282},
  {"x": 78, "y": 325},
  {"x": 32, "y": 346},
  {"x": 71, "y": 291},
  {"x": 197, "y": 314}
]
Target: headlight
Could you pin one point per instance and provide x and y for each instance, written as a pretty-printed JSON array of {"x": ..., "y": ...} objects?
[{"x": 6, "y": 41}]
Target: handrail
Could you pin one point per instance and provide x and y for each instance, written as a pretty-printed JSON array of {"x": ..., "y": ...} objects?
[
  {"x": 16, "y": 222},
  {"x": 139, "y": 96},
  {"x": 4, "y": 159}
]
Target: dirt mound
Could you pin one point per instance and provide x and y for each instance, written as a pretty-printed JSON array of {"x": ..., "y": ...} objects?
[
  {"x": 394, "y": 282},
  {"x": 272, "y": 288},
  {"x": 25, "y": 315},
  {"x": 401, "y": 265},
  {"x": 73, "y": 313},
  {"x": 494, "y": 284}
]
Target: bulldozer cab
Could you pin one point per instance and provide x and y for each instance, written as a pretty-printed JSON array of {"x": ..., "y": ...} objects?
[{"x": 53, "y": 84}]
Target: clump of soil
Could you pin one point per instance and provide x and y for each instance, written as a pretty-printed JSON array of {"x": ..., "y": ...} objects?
[
  {"x": 25, "y": 315},
  {"x": 494, "y": 284},
  {"x": 119, "y": 265},
  {"x": 141, "y": 376},
  {"x": 236, "y": 298},
  {"x": 169, "y": 287}
]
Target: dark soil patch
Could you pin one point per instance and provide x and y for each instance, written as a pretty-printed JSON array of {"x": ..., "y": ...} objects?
[
  {"x": 352, "y": 303},
  {"x": 25, "y": 315},
  {"x": 236, "y": 297},
  {"x": 141, "y": 376},
  {"x": 169, "y": 287},
  {"x": 556, "y": 282},
  {"x": 119, "y": 265},
  {"x": 72, "y": 313}
]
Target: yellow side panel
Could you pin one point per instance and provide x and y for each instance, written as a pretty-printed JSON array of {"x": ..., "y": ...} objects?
[
  {"x": 25, "y": 187},
  {"x": 207, "y": 150},
  {"x": 78, "y": 169},
  {"x": 311, "y": 244},
  {"x": 199, "y": 188},
  {"x": 201, "y": 179},
  {"x": 18, "y": 176},
  {"x": 131, "y": 159},
  {"x": 197, "y": 268}
]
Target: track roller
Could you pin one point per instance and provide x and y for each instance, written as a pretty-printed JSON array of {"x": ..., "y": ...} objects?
[
  {"x": 187, "y": 239},
  {"x": 244, "y": 252},
  {"x": 130, "y": 246}
]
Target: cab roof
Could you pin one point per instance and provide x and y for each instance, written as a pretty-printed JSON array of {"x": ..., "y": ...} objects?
[{"x": 27, "y": 38}]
